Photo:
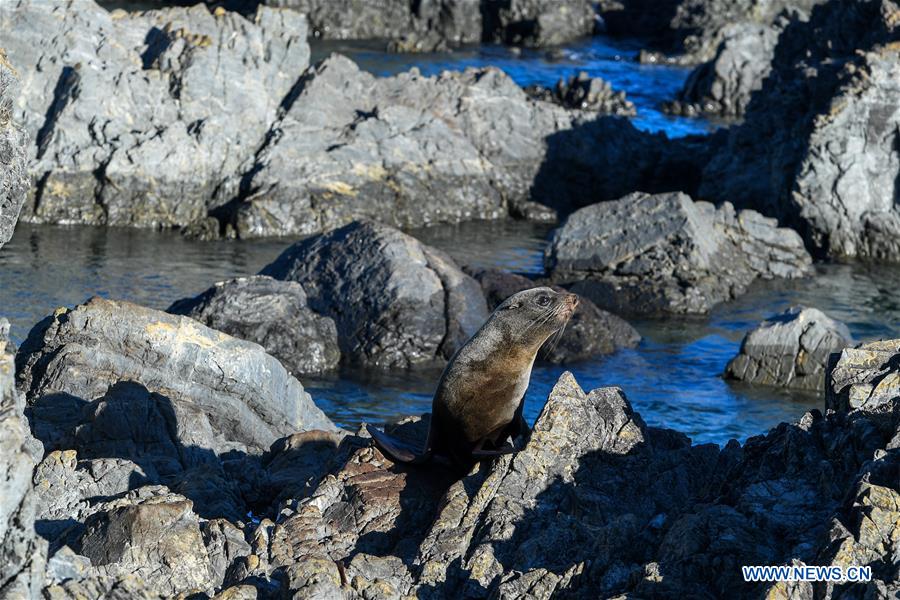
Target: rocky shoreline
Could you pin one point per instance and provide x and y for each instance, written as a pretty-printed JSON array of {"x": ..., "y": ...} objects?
[
  {"x": 597, "y": 502},
  {"x": 160, "y": 454}
]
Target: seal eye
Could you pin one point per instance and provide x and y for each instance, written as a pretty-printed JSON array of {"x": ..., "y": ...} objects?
[{"x": 543, "y": 300}]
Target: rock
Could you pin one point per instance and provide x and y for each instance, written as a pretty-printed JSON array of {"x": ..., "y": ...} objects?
[
  {"x": 723, "y": 86},
  {"x": 157, "y": 538},
  {"x": 100, "y": 157},
  {"x": 586, "y": 93},
  {"x": 296, "y": 464},
  {"x": 22, "y": 554},
  {"x": 864, "y": 378},
  {"x": 202, "y": 391},
  {"x": 692, "y": 29},
  {"x": 790, "y": 350},
  {"x": 827, "y": 102},
  {"x": 426, "y": 26},
  {"x": 537, "y": 22},
  {"x": 13, "y": 176},
  {"x": 395, "y": 301},
  {"x": 665, "y": 253},
  {"x": 272, "y": 313},
  {"x": 590, "y": 332}
]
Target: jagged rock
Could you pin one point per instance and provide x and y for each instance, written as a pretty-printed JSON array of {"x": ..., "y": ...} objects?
[
  {"x": 724, "y": 85},
  {"x": 666, "y": 253},
  {"x": 395, "y": 301},
  {"x": 691, "y": 29},
  {"x": 155, "y": 537},
  {"x": 295, "y": 464},
  {"x": 225, "y": 545},
  {"x": 272, "y": 313},
  {"x": 129, "y": 587},
  {"x": 426, "y": 26},
  {"x": 864, "y": 378},
  {"x": 13, "y": 175},
  {"x": 22, "y": 553},
  {"x": 207, "y": 393},
  {"x": 791, "y": 349},
  {"x": 828, "y": 101},
  {"x": 586, "y": 93},
  {"x": 100, "y": 157},
  {"x": 590, "y": 332}
]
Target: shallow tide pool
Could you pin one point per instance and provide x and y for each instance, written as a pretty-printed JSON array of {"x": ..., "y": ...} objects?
[{"x": 673, "y": 377}]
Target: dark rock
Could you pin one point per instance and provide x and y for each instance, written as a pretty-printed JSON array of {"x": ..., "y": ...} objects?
[
  {"x": 828, "y": 101},
  {"x": 413, "y": 26},
  {"x": 585, "y": 93},
  {"x": 100, "y": 156},
  {"x": 296, "y": 464},
  {"x": 395, "y": 301},
  {"x": 666, "y": 253},
  {"x": 13, "y": 176},
  {"x": 723, "y": 86},
  {"x": 203, "y": 389},
  {"x": 272, "y": 313},
  {"x": 691, "y": 29},
  {"x": 790, "y": 350},
  {"x": 22, "y": 553},
  {"x": 537, "y": 22},
  {"x": 864, "y": 378},
  {"x": 590, "y": 332}
]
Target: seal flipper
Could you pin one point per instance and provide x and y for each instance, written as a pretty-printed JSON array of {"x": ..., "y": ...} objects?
[{"x": 398, "y": 450}]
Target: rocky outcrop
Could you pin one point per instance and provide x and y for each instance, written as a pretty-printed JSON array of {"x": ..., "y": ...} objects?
[
  {"x": 817, "y": 148},
  {"x": 666, "y": 253},
  {"x": 564, "y": 516},
  {"x": 723, "y": 86},
  {"x": 590, "y": 332},
  {"x": 203, "y": 389},
  {"x": 13, "y": 174},
  {"x": 272, "y": 313},
  {"x": 427, "y": 26},
  {"x": 585, "y": 93},
  {"x": 865, "y": 378},
  {"x": 790, "y": 350},
  {"x": 100, "y": 156},
  {"x": 691, "y": 30},
  {"x": 22, "y": 553},
  {"x": 395, "y": 301}
]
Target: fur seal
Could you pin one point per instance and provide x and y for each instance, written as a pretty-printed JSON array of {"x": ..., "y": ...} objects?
[{"x": 476, "y": 412}]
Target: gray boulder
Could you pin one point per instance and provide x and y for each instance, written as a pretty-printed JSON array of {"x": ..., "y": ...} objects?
[
  {"x": 723, "y": 86},
  {"x": 152, "y": 534},
  {"x": 537, "y": 22},
  {"x": 865, "y": 378},
  {"x": 590, "y": 332},
  {"x": 22, "y": 553},
  {"x": 207, "y": 390},
  {"x": 13, "y": 175},
  {"x": 790, "y": 350},
  {"x": 816, "y": 149},
  {"x": 100, "y": 156},
  {"x": 272, "y": 313},
  {"x": 395, "y": 301},
  {"x": 666, "y": 253}
]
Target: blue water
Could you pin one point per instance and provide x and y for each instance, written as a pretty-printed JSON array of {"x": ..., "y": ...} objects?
[{"x": 647, "y": 86}]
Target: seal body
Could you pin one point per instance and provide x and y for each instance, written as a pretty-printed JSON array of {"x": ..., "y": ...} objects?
[{"x": 477, "y": 407}]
